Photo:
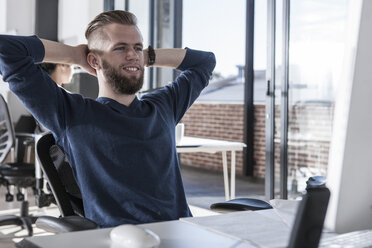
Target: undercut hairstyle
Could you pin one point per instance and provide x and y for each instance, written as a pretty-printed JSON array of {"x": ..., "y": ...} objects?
[
  {"x": 48, "y": 67},
  {"x": 105, "y": 18}
]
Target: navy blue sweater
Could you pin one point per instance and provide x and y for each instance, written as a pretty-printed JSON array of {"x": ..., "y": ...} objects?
[{"x": 123, "y": 158}]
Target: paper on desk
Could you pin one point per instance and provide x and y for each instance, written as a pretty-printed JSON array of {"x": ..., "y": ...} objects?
[
  {"x": 285, "y": 209},
  {"x": 265, "y": 228}
]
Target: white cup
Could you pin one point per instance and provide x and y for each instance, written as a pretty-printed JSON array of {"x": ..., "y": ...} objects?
[{"x": 180, "y": 129}]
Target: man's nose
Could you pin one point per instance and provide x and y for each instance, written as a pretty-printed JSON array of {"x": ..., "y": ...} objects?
[{"x": 131, "y": 54}]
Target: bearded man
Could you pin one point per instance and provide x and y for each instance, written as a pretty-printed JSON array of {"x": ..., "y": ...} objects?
[{"x": 121, "y": 149}]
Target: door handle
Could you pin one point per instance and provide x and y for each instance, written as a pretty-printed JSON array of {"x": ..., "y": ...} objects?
[{"x": 268, "y": 88}]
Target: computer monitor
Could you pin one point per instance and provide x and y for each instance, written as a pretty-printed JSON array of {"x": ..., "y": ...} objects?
[{"x": 349, "y": 176}]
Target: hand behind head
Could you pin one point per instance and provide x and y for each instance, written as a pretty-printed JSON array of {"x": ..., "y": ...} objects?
[{"x": 83, "y": 50}]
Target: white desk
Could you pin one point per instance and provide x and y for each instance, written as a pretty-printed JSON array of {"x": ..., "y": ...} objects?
[
  {"x": 192, "y": 144},
  {"x": 266, "y": 228},
  {"x": 173, "y": 234}
]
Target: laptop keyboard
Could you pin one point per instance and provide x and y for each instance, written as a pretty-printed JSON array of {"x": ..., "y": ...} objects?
[{"x": 357, "y": 239}]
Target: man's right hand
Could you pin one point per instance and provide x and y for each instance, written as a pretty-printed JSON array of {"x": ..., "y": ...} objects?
[
  {"x": 73, "y": 55},
  {"x": 83, "y": 51}
]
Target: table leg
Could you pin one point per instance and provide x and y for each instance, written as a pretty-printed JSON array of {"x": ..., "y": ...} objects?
[
  {"x": 232, "y": 174},
  {"x": 225, "y": 175}
]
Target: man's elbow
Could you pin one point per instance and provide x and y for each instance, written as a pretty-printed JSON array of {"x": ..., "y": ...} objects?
[
  {"x": 7, "y": 46},
  {"x": 211, "y": 62},
  {"x": 3, "y": 44}
]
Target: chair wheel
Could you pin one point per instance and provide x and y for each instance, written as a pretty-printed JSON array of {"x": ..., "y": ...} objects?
[
  {"x": 9, "y": 197},
  {"x": 20, "y": 196}
]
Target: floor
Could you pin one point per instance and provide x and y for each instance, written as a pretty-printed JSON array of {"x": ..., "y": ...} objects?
[
  {"x": 205, "y": 187},
  {"x": 202, "y": 188}
]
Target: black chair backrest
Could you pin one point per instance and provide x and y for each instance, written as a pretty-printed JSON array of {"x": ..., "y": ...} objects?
[
  {"x": 25, "y": 124},
  {"x": 7, "y": 137},
  {"x": 24, "y": 131},
  {"x": 51, "y": 159}
]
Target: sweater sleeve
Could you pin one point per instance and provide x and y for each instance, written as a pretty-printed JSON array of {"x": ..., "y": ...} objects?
[
  {"x": 197, "y": 68},
  {"x": 46, "y": 101}
]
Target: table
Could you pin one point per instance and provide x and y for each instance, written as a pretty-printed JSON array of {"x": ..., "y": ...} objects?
[
  {"x": 173, "y": 234},
  {"x": 245, "y": 229},
  {"x": 193, "y": 144}
]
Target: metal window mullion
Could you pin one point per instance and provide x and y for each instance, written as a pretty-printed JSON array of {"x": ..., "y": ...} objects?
[
  {"x": 177, "y": 29},
  {"x": 270, "y": 102},
  {"x": 248, "y": 152},
  {"x": 109, "y": 5},
  {"x": 177, "y": 34},
  {"x": 152, "y": 41},
  {"x": 284, "y": 104}
]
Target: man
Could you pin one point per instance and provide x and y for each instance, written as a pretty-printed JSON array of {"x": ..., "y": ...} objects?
[
  {"x": 61, "y": 74},
  {"x": 121, "y": 149}
]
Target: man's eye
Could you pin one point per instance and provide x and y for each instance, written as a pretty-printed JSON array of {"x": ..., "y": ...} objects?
[
  {"x": 119, "y": 48},
  {"x": 138, "y": 49}
]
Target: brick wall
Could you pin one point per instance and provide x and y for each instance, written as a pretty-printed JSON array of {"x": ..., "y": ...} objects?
[
  {"x": 308, "y": 139},
  {"x": 259, "y": 141},
  {"x": 215, "y": 121},
  {"x": 310, "y": 132}
]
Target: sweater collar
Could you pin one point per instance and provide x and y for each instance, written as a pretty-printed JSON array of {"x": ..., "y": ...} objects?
[{"x": 117, "y": 105}]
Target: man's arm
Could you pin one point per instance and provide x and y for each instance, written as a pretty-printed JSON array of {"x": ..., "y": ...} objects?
[
  {"x": 60, "y": 53},
  {"x": 196, "y": 67},
  {"x": 170, "y": 58},
  {"x": 50, "y": 104}
]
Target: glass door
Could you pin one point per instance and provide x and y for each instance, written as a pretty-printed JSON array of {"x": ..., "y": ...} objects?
[
  {"x": 317, "y": 35},
  {"x": 305, "y": 65}
]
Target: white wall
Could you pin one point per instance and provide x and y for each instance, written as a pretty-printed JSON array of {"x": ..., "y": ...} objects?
[
  {"x": 20, "y": 17},
  {"x": 73, "y": 18},
  {"x": 350, "y": 166},
  {"x": 2, "y": 16},
  {"x": 142, "y": 11},
  {"x": 16, "y": 17}
]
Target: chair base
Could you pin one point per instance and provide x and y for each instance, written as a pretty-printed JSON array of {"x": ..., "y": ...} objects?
[
  {"x": 24, "y": 220},
  {"x": 65, "y": 224}
]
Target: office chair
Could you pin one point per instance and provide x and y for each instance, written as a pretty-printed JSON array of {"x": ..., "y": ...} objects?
[
  {"x": 64, "y": 188},
  {"x": 17, "y": 174}
]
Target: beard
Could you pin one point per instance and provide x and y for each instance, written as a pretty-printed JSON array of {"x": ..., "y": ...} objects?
[{"x": 119, "y": 83}]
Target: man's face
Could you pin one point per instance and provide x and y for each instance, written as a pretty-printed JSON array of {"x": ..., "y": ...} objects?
[{"x": 122, "y": 58}]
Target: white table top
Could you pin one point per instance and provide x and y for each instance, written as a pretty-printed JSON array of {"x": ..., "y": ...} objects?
[
  {"x": 265, "y": 228},
  {"x": 193, "y": 144},
  {"x": 173, "y": 234}
]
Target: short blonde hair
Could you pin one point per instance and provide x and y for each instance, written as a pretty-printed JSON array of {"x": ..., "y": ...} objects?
[{"x": 105, "y": 18}]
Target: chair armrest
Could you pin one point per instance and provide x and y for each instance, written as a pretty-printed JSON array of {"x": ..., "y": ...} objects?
[{"x": 64, "y": 224}]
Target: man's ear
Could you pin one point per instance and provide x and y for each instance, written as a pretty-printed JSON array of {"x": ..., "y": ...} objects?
[{"x": 93, "y": 60}]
